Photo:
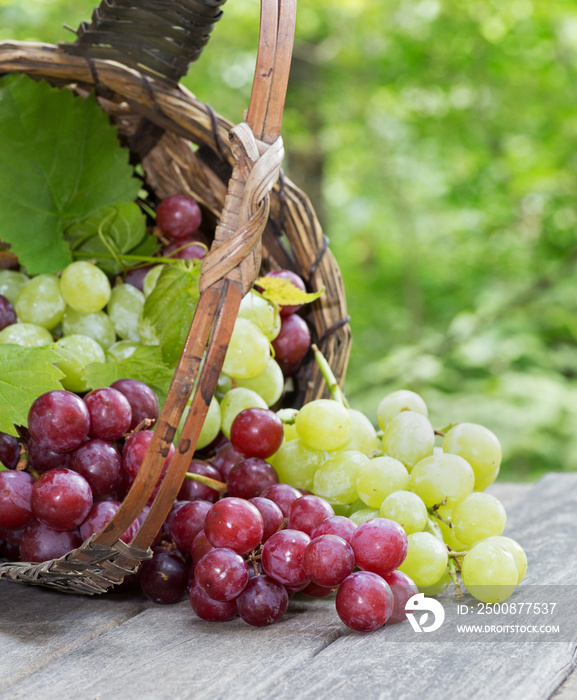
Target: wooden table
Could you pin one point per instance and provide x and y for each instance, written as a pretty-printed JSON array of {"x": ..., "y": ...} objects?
[{"x": 58, "y": 646}]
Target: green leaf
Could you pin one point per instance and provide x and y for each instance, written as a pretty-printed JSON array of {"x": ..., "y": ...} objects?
[
  {"x": 111, "y": 230},
  {"x": 145, "y": 364},
  {"x": 60, "y": 160},
  {"x": 25, "y": 374},
  {"x": 284, "y": 293},
  {"x": 171, "y": 306}
]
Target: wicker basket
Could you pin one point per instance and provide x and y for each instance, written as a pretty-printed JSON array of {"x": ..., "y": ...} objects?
[{"x": 158, "y": 120}]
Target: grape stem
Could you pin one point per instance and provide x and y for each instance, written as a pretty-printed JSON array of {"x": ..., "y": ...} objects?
[
  {"x": 436, "y": 515},
  {"x": 207, "y": 481},
  {"x": 455, "y": 578},
  {"x": 332, "y": 384}
]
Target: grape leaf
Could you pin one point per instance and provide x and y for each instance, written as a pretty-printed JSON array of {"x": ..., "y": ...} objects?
[
  {"x": 145, "y": 364},
  {"x": 283, "y": 291},
  {"x": 25, "y": 374},
  {"x": 171, "y": 306},
  {"x": 111, "y": 230},
  {"x": 60, "y": 160}
]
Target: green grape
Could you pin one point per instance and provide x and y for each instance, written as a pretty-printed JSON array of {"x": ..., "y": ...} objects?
[
  {"x": 489, "y": 572},
  {"x": 407, "y": 509},
  {"x": 210, "y": 427},
  {"x": 223, "y": 386},
  {"x": 324, "y": 424},
  {"x": 150, "y": 279},
  {"x": 480, "y": 447},
  {"x": 478, "y": 516},
  {"x": 40, "y": 302},
  {"x": 248, "y": 351},
  {"x": 28, "y": 335},
  {"x": 296, "y": 464},
  {"x": 121, "y": 350},
  {"x": 84, "y": 287},
  {"x": 516, "y": 551},
  {"x": 409, "y": 437},
  {"x": 342, "y": 510},
  {"x": 335, "y": 480},
  {"x": 426, "y": 559},
  {"x": 262, "y": 313},
  {"x": 288, "y": 416},
  {"x": 364, "y": 436},
  {"x": 77, "y": 352},
  {"x": 11, "y": 282},
  {"x": 269, "y": 383},
  {"x": 361, "y": 516},
  {"x": 125, "y": 308},
  {"x": 396, "y": 402},
  {"x": 146, "y": 331},
  {"x": 447, "y": 530},
  {"x": 97, "y": 326},
  {"x": 440, "y": 477},
  {"x": 438, "y": 587},
  {"x": 235, "y": 401},
  {"x": 380, "y": 477}
]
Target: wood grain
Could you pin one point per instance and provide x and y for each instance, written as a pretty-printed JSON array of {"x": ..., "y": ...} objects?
[{"x": 57, "y": 646}]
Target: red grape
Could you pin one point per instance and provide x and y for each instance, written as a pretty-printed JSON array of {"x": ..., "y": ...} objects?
[
  {"x": 364, "y": 601},
  {"x": 225, "y": 459},
  {"x": 110, "y": 413},
  {"x": 282, "y": 557},
  {"x": 257, "y": 432},
  {"x": 42, "y": 459},
  {"x": 222, "y": 573},
  {"x": 200, "y": 546},
  {"x": 188, "y": 521},
  {"x": 59, "y": 421},
  {"x": 193, "y": 490},
  {"x": 61, "y": 499},
  {"x": 271, "y": 515},
  {"x": 402, "y": 588},
  {"x": 164, "y": 578},
  {"x": 178, "y": 216},
  {"x": 100, "y": 514},
  {"x": 336, "y": 525},
  {"x": 208, "y": 609},
  {"x": 380, "y": 545},
  {"x": 328, "y": 560},
  {"x": 291, "y": 344},
  {"x": 42, "y": 543},
  {"x": 235, "y": 523},
  {"x": 250, "y": 477},
  {"x": 9, "y": 450},
  {"x": 7, "y": 313},
  {"x": 15, "y": 496},
  {"x": 100, "y": 463},
  {"x": 142, "y": 399},
  {"x": 307, "y": 512},
  {"x": 263, "y": 602},
  {"x": 283, "y": 495}
]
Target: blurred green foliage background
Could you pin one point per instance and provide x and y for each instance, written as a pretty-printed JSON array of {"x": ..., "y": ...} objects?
[{"x": 438, "y": 142}]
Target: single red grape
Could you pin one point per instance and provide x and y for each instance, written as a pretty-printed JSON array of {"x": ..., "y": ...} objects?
[
  {"x": 225, "y": 459},
  {"x": 59, "y": 421},
  {"x": 200, "y": 547},
  {"x": 178, "y": 216},
  {"x": 43, "y": 459},
  {"x": 15, "y": 498},
  {"x": 164, "y": 578},
  {"x": 257, "y": 432},
  {"x": 403, "y": 587},
  {"x": 291, "y": 344},
  {"x": 307, "y": 512},
  {"x": 7, "y": 313},
  {"x": 283, "y": 495},
  {"x": 328, "y": 560},
  {"x": 250, "y": 477},
  {"x": 222, "y": 573},
  {"x": 142, "y": 399},
  {"x": 208, "y": 609},
  {"x": 100, "y": 463},
  {"x": 380, "y": 545},
  {"x": 263, "y": 602},
  {"x": 188, "y": 521},
  {"x": 282, "y": 557},
  {"x": 271, "y": 515},
  {"x": 110, "y": 413},
  {"x": 364, "y": 601},
  {"x": 61, "y": 499},
  {"x": 336, "y": 525},
  {"x": 235, "y": 523},
  {"x": 100, "y": 515},
  {"x": 42, "y": 543},
  {"x": 9, "y": 450}
]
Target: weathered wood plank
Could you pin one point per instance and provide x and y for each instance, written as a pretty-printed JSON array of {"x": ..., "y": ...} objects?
[{"x": 165, "y": 652}]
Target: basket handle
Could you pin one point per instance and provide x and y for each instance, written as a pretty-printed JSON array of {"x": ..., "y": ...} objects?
[
  {"x": 157, "y": 38},
  {"x": 220, "y": 299}
]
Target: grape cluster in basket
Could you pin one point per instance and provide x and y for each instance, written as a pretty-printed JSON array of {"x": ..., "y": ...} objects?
[{"x": 277, "y": 501}]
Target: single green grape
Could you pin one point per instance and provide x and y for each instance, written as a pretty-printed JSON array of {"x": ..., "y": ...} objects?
[
  {"x": 121, "y": 350},
  {"x": 478, "y": 516},
  {"x": 426, "y": 559},
  {"x": 262, "y": 313},
  {"x": 210, "y": 427},
  {"x": 224, "y": 385},
  {"x": 442, "y": 477},
  {"x": 235, "y": 401},
  {"x": 480, "y": 447},
  {"x": 409, "y": 437},
  {"x": 146, "y": 331},
  {"x": 363, "y": 435},
  {"x": 150, "y": 279},
  {"x": 324, "y": 424},
  {"x": 342, "y": 510},
  {"x": 438, "y": 587},
  {"x": 269, "y": 383},
  {"x": 11, "y": 282},
  {"x": 516, "y": 551},
  {"x": 77, "y": 351},
  {"x": 361, "y": 516},
  {"x": 379, "y": 477},
  {"x": 336, "y": 479},
  {"x": 84, "y": 287},
  {"x": 396, "y": 402},
  {"x": 407, "y": 509},
  {"x": 489, "y": 572},
  {"x": 40, "y": 302},
  {"x": 124, "y": 308},
  {"x": 288, "y": 416},
  {"x": 96, "y": 325},
  {"x": 27, "y": 335},
  {"x": 296, "y": 464},
  {"x": 248, "y": 351}
]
